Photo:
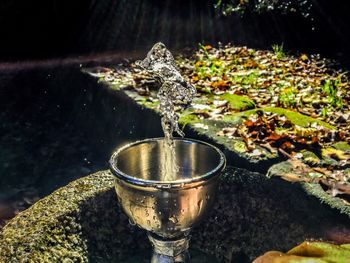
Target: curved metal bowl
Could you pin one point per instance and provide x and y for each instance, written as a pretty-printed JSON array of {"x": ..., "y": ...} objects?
[{"x": 166, "y": 208}]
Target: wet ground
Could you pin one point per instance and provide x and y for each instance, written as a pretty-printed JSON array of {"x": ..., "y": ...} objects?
[{"x": 54, "y": 129}]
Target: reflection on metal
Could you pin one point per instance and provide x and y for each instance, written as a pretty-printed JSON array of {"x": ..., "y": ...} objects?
[{"x": 167, "y": 209}]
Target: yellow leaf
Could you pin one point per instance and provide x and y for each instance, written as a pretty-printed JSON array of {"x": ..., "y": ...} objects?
[
  {"x": 304, "y": 57},
  {"x": 335, "y": 154}
]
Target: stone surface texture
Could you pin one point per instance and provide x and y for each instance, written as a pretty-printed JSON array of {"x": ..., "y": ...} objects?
[{"x": 82, "y": 222}]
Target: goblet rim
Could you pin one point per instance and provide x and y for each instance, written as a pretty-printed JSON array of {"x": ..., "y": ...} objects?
[{"x": 166, "y": 184}]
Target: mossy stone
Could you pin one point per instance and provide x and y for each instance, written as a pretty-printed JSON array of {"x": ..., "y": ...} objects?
[
  {"x": 279, "y": 169},
  {"x": 295, "y": 117},
  {"x": 82, "y": 222},
  {"x": 343, "y": 146},
  {"x": 237, "y": 102}
]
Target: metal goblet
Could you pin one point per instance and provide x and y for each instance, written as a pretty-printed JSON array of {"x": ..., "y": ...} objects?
[{"x": 167, "y": 209}]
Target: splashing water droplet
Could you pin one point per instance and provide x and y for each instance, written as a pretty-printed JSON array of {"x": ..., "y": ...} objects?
[
  {"x": 131, "y": 222},
  {"x": 173, "y": 219},
  {"x": 174, "y": 92},
  {"x": 199, "y": 205}
]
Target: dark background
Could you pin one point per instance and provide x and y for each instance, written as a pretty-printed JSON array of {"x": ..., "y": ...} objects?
[{"x": 60, "y": 28}]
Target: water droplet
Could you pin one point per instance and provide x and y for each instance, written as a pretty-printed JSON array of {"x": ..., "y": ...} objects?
[
  {"x": 173, "y": 219},
  {"x": 148, "y": 222},
  {"x": 159, "y": 213},
  {"x": 131, "y": 222},
  {"x": 199, "y": 204}
]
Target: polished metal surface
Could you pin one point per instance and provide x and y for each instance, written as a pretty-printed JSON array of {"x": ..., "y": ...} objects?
[
  {"x": 165, "y": 251},
  {"x": 139, "y": 163},
  {"x": 168, "y": 209}
]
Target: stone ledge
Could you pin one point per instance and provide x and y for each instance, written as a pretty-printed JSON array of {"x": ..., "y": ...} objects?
[
  {"x": 312, "y": 187},
  {"x": 82, "y": 222}
]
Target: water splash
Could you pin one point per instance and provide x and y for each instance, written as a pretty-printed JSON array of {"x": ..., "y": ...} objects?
[{"x": 175, "y": 92}]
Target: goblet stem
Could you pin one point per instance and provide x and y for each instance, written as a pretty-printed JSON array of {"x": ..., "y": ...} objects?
[{"x": 169, "y": 251}]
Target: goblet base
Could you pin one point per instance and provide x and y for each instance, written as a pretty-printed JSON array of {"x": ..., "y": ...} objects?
[
  {"x": 144, "y": 256},
  {"x": 176, "y": 251},
  {"x": 169, "y": 251}
]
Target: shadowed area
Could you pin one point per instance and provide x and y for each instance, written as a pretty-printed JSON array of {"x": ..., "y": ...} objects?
[
  {"x": 59, "y": 28},
  {"x": 54, "y": 130}
]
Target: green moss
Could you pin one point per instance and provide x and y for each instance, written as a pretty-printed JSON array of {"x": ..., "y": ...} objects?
[
  {"x": 295, "y": 117},
  {"x": 286, "y": 167},
  {"x": 188, "y": 117},
  {"x": 310, "y": 157},
  {"x": 279, "y": 168},
  {"x": 240, "y": 146},
  {"x": 149, "y": 104},
  {"x": 236, "y": 102},
  {"x": 50, "y": 230},
  {"x": 343, "y": 146},
  {"x": 334, "y": 202}
]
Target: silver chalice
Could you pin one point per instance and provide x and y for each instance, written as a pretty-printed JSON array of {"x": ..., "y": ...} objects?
[{"x": 167, "y": 209}]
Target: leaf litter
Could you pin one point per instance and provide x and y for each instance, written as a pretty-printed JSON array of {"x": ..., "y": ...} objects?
[{"x": 264, "y": 90}]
